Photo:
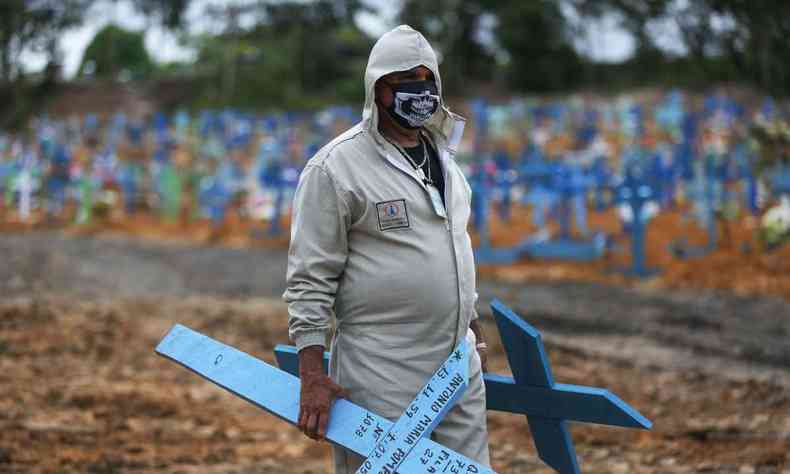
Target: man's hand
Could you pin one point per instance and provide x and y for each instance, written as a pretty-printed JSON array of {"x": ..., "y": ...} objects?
[
  {"x": 483, "y": 352},
  {"x": 317, "y": 394},
  {"x": 482, "y": 347}
]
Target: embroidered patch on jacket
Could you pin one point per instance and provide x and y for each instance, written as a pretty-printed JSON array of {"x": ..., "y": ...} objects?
[{"x": 392, "y": 214}]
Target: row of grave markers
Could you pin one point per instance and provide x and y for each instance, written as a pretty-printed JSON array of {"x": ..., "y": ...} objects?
[{"x": 558, "y": 186}]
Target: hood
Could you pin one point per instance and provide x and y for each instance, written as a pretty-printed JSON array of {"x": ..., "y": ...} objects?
[{"x": 401, "y": 49}]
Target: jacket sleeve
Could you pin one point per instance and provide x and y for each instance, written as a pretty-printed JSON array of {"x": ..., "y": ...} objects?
[{"x": 316, "y": 256}]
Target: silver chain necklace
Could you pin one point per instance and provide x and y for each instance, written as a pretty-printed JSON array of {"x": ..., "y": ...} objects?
[{"x": 426, "y": 180}]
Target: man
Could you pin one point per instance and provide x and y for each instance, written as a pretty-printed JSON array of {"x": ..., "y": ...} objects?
[{"x": 379, "y": 249}]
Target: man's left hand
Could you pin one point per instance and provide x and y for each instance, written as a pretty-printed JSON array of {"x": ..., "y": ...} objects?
[
  {"x": 483, "y": 352},
  {"x": 481, "y": 346}
]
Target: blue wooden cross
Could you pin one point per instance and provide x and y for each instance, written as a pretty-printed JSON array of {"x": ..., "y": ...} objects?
[
  {"x": 636, "y": 192},
  {"x": 572, "y": 186},
  {"x": 539, "y": 245},
  {"x": 403, "y": 446},
  {"x": 745, "y": 165},
  {"x": 532, "y": 392},
  {"x": 704, "y": 193},
  {"x": 214, "y": 197},
  {"x": 421, "y": 416},
  {"x": 780, "y": 182},
  {"x": 548, "y": 405}
]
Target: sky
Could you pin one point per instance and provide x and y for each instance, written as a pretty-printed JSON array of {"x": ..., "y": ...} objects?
[{"x": 603, "y": 40}]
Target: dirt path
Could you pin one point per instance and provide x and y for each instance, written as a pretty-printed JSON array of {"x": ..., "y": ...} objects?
[
  {"x": 710, "y": 331},
  {"x": 701, "y": 330},
  {"x": 120, "y": 266}
]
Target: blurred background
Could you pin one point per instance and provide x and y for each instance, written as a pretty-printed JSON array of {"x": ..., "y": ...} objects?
[
  {"x": 630, "y": 168},
  {"x": 263, "y": 55}
]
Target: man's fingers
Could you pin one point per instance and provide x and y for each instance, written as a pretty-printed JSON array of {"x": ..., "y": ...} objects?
[
  {"x": 323, "y": 421},
  {"x": 312, "y": 425},
  {"x": 314, "y": 411},
  {"x": 483, "y": 360}
]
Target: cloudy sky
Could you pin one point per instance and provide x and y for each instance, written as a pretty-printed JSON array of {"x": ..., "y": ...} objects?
[{"x": 603, "y": 40}]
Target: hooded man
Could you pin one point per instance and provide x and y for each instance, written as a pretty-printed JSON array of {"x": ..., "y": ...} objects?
[{"x": 379, "y": 250}]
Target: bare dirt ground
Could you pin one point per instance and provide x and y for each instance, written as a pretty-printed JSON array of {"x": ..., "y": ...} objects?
[{"x": 81, "y": 389}]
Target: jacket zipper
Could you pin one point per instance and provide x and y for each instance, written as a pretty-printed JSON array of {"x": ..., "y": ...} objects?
[{"x": 448, "y": 227}]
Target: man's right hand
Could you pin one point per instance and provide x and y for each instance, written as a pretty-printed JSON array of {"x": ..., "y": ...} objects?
[{"x": 317, "y": 394}]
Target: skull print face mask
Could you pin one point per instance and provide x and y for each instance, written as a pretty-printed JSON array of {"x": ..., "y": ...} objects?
[{"x": 414, "y": 103}]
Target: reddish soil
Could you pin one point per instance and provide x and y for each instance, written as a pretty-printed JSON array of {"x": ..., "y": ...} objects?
[
  {"x": 739, "y": 265},
  {"x": 81, "y": 390}
]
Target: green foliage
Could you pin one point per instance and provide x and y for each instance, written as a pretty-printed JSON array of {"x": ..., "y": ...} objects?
[
  {"x": 775, "y": 226},
  {"x": 36, "y": 26},
  {"x": 169, "y": 13},
  {"x": 741, "y": 40},
  {"x": 759, "y": 41},
  {"x": 31, "y": 26},
  {"x": 451, "y": 26},
  {"x": 303, "y": 55},
  {"x": 535, "y": 36},
  {"x": 114, "y": 53},
  {"x": 726, "y": 40},
  {"x": 525, "y": 43}
]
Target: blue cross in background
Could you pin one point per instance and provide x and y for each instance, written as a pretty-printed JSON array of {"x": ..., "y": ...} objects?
[
  {"x": 636, "y": 192},
  {"x": 532, "y": 392}
]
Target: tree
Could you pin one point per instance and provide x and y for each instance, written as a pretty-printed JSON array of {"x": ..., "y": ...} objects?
[
  {"x": 452, "y": 27},
  {"x": 296, "y": 54},
  {"x": 757, "y": 39},
  {"x": 34, "y": 25},
  {"x": 536, "y": 38},
  {"x": 635, "y": 15},
  {"x": 169, "y": 13},
  {"x": 527, "y": 42},
  {"x": 115, "y": 52},
  {"x": 725, "y": 39}
]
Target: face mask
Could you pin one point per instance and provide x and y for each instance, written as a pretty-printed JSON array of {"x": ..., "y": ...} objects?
[{"x": 414, "y": 103}]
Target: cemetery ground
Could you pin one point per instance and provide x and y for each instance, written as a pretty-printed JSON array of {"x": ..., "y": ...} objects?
[{"x": 81, "y": 389}]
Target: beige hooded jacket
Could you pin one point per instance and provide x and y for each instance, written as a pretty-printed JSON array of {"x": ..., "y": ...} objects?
[{"x": 370, "y": 256}]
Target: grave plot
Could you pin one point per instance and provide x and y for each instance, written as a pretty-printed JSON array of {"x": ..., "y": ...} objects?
[{"x": 739, "y": 264}]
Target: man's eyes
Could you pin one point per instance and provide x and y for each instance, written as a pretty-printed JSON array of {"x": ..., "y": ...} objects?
[{"x": 411, "y": 78}]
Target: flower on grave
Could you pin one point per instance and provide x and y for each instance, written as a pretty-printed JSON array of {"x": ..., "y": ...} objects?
[{"x": 775, "y": 224}]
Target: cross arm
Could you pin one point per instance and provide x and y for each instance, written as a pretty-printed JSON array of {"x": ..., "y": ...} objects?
[
  {"x": 570, "y": 402},
  {"x": 277, "y": 392}
]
